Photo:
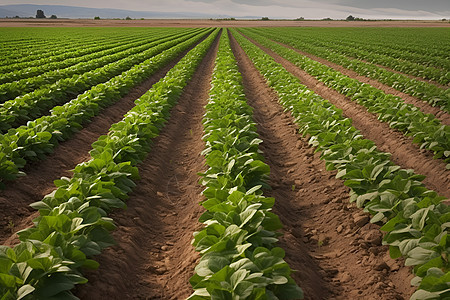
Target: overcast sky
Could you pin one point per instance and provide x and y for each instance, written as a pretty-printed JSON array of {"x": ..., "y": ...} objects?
[{"x": 338, "y": 9}]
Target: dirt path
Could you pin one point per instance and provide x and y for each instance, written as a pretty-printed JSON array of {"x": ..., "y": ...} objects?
[
  {"x": 15, "y": 212},
  {"x": 336, "y": 252},
  {"x": 422, "y": 105},
  {"x": 154, "y": 258},
  {"x": 404, "y": 152}
]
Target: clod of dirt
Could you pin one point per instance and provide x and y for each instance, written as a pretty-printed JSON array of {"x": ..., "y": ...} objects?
[
  {"x": 380, "y": 265},
  {"x": 323, "y": 240},
  {"x": 360, "y": 221},
  {"x": 393, "y": 265},
  {"x": 373, "y": 237},
  {"x": 344, "y": 277}
]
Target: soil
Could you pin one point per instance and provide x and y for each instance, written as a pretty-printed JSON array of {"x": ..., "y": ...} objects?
[
  {"x": 153, "y": 258},
  {"x": 404, "y": 152},
  {"x": 424, "y": 106},
  {"x": 331, "y": 246},
  {"x": 212, "y": 23},
  {"x": 15, "y": 212},
  {"x": 336, "y": 252}
]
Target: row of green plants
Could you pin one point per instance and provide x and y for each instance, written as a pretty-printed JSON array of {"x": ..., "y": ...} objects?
[
  {"x": 50, "y": 70},
  {"x": 403, "y": 43},
  {"x": 420, "y": 89},
  {"x": 15, "y": 58},
  {"x": 84, "y": 69},
  {"x": 414, "y": 219},
  {"x": 239, "y": 259},
  {"x": 441, "y": 76},
  {"x": 21, "y": 86},
  {"x": 425, "y": 129},
  {"x": 20, "y": 54},
  {"x": 73, "y": 225},
  {"x": 38, "y": 138},
  {"x": 370, "y": 55},
  {"x": 36, "y": 59},
  {"x": 60, "y": 47},
  {"x": 420, "y": 59},
  {"x": 16, "y": 112}
]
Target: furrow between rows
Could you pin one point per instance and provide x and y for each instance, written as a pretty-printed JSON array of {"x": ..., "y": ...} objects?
[
  {"x": 312, "y": 204},
  {"x": 404, "y": 152},
  {"x": 15, "y": 213},
  {"x": 422, "y": 105},
  {"x": 153, "y": 258}
]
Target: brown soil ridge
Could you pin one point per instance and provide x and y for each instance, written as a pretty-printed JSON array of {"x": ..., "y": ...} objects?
[
  {"x": 336, "y": 252},
  {"x": 424, "y": 106},
  {"x": 404, "y": 152},
  {"x": 153, "y": 258},
  {"x": 61, "y": 22},
  {"x": 15, "y": 212}
]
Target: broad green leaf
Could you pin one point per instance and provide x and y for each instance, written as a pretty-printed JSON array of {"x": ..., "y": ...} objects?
[
  {"x": 7, "y": 280},
  {"x": 394, "y": 252},
  {"x": 237, "y": 277},
  {"x": 424, "y": 295},
  {"x": 24, "y": 291}
]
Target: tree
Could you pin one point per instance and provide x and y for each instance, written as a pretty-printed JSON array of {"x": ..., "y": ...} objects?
[
  {"x": 53, "y": 17},
  {"x": 40, "y": 14},
  {"x": 350, "y": 18},
  {"x": 97, "y": 18},
  {"x": 265, "y": 18},
  {"x": 128, "y": 18}
]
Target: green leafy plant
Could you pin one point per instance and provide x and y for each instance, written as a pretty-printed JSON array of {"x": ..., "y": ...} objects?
[
  {"x": 38, "y": 138},
  {"x": 423, "y": 90},
  {"x": 426, "y": 130},
  {"x": 29, "y": 106},
  {"x": 51, "y": 70},
  {"x": 415, "y": 219},
  {"x": 239, "y": 258},
  {"x": 73, "y": 225}
]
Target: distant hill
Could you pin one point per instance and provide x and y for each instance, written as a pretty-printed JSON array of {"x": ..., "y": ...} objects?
[{"x": 29, "y": 10}]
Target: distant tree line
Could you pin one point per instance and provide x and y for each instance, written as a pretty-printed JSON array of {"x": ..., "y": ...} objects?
[
  {"x": 126, "y": 18},
  {"x": 40, "y": 15},
  {"x": 352, "y": 18}
]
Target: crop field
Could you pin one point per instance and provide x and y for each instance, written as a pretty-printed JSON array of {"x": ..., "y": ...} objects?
[{"x": 224, "y": 163}]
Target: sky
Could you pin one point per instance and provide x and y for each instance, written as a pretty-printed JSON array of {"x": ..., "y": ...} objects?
[{"x": 309, "y": 9}]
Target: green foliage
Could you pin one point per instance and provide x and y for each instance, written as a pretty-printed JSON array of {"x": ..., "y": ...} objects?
[
  {"x": 426, "y": 130},
  {"x": 71, "y": 81},
  {"x": 33, "y": 70},
  {"x": 415, "y": 221},
  {"x": 38, "y": 138},
  {"x": 73, "y": 225},
  {"x": 239, "y": 259},
  {"x": 363, "y": 58}
]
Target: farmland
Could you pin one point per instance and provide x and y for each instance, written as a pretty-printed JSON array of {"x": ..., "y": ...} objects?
[{"x": 224, "y": 163}]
